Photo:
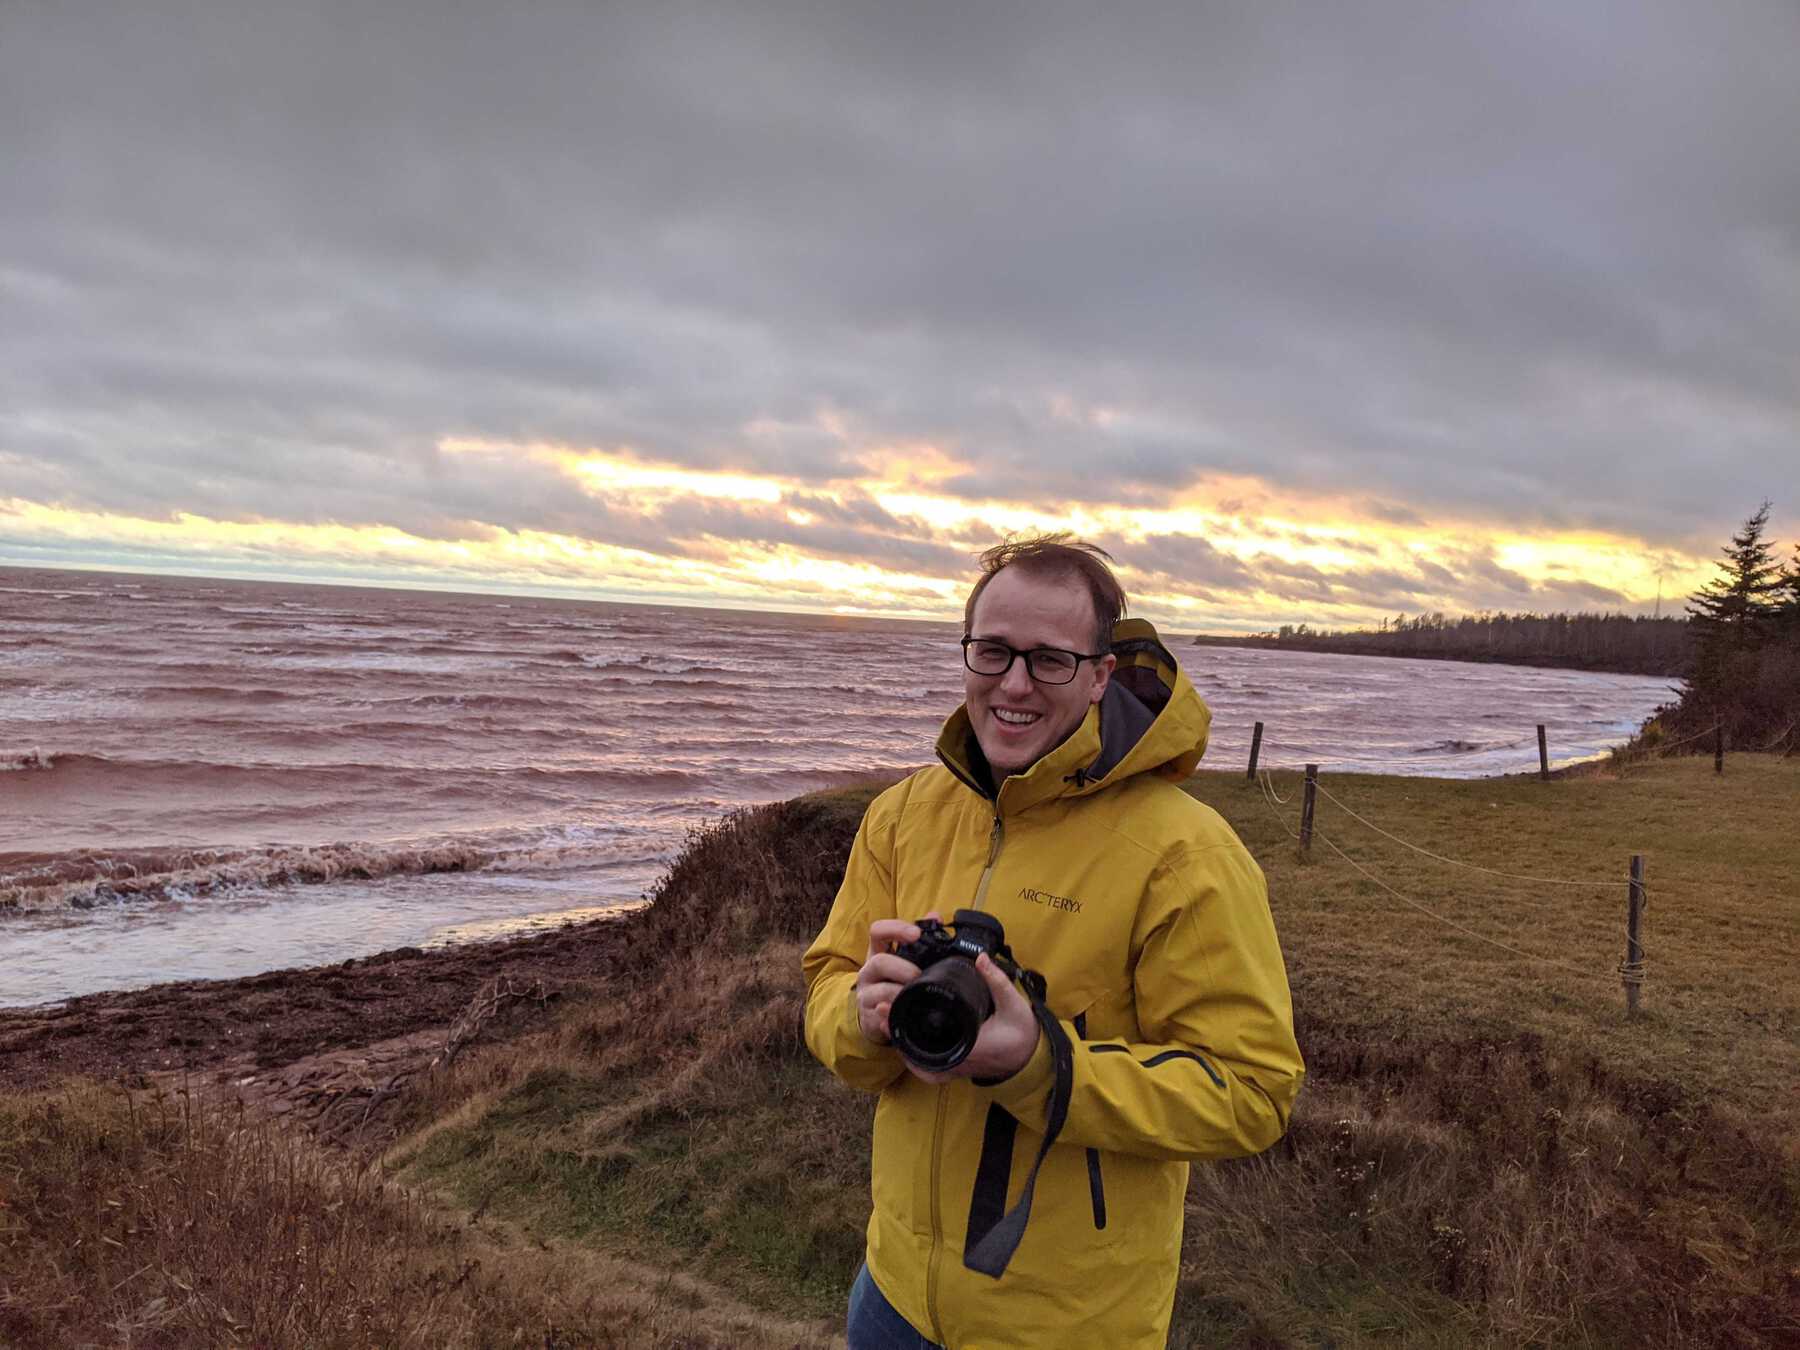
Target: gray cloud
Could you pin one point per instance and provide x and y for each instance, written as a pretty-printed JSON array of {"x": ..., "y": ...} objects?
[
  {"x": 1523, "y": 263},
  {"x": 1186, "y": 563}
]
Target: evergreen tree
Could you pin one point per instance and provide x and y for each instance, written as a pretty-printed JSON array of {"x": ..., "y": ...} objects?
[
  {"x": 1736, "y": 609},
  {"x": 1744, "y": 678}
]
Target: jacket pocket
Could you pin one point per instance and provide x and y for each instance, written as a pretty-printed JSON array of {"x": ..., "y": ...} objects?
[{"x": 1096, "y": 1183}]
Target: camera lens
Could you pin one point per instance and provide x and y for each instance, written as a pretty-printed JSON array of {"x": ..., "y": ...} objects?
[
  {"x": 936, "y": 1018},
  {"x": 936, "y": 1025}
]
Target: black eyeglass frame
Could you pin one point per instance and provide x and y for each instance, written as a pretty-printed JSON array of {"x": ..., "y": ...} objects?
[{"x": 1013, "y": 654}]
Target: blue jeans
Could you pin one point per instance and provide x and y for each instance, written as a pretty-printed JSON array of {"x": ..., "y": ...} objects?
[{"x": 873, "y": 1323}]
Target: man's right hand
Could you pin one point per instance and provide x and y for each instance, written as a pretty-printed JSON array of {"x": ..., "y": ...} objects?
[{"x": 883, "y": 975}]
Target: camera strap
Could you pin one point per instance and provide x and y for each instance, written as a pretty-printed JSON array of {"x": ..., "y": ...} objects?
[{"x": 994, "y": 1236}]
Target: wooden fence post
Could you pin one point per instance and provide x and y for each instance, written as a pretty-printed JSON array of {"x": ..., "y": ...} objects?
[
  {"x": 1543, "y": 754},
  {"x": 1306, "y": 810},
  {"x": 1255, "y": 750},
  {"x": 1632, "y": 972},
  {"x": 1719, "y": 748}
]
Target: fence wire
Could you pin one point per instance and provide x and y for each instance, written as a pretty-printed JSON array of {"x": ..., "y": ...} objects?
[
  {"x": 1624, "y": 757},
  {"x": 1272, "y": 800},
  {"x": 1457, "y": 862},
  {"x": 1586, "y": 883},
  {"x": 1450, "y": 923}
]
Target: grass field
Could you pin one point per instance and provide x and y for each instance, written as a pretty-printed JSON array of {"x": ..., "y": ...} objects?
[
  {"x": 1720, "y": 1011},
  {"x": 1487, "y": 1152}
]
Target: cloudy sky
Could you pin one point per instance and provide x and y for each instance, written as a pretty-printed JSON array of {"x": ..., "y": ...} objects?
[{"x": 1309, "y": 312}]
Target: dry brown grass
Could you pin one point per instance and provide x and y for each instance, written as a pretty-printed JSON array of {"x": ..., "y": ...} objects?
[
  {"x": 1491, "y": 1193},
  {"x": 159, "y": 1222}
]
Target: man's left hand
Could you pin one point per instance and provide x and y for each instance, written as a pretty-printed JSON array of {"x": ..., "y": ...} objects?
[{"x": 1006, "y": 1040}]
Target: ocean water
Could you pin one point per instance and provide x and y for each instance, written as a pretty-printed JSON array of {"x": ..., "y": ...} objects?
[{"x": 203, "y": 778}]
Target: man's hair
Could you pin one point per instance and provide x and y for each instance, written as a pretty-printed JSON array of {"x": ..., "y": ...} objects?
[{"x": 1057, "y": 555}]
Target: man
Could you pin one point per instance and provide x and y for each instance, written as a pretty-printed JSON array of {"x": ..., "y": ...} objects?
[{"x": 1057, "y": 811}]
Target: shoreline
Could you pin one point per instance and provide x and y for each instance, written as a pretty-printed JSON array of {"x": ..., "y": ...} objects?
[
  {"x": 255, "y": 1025},
  {"x": 143, "y": 1030},
  {"x": 268, "y": 1021}
]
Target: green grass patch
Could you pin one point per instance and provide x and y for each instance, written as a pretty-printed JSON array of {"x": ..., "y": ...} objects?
[{"x": 1720, "y": 1006}]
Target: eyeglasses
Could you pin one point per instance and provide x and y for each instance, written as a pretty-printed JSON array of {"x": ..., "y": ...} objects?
[{"x": 1046, "y": 665}]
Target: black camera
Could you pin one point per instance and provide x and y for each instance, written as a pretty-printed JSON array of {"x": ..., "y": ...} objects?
[{"x": 934, "y": 1020}]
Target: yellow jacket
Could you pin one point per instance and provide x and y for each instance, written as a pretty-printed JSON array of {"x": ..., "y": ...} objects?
[{"x": 1151, "y": 923}]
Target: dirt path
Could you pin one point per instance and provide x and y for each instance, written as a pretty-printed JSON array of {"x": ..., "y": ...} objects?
[{"x": 699, "y": 1312}]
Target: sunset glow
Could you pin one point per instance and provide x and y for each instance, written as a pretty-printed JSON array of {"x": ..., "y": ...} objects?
[{"x": 1207, "y": 559}]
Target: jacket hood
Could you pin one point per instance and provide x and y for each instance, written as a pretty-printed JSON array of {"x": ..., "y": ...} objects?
[{"x": 1150, "y": 720}]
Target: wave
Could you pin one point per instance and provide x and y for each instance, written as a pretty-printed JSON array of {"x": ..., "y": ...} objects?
[
  {"x": 724, "y": 711},
  {"x": 212, "y": 670},
  {"x": 284, "y": 610},
  {"x": 317, "y": 624},
  {"x": 661, "y": 780},
  {"x": 614, "y": 664},
  {"x": 476, "y": 702},
  {"x": 790, "y": 782},
  {"x": 25, "y": 761},
  {"x": 84, "y": 879},
  {"x": 1457, "y": 746},
  {"x": 479, "y": 780},
  {"x": 183, "y": 692},
  {"x": 602, "y": 664},
  {"x": 602, "y": 626},
  {"x": 452, "y": 646},
  {"x": 249, "y": 728},
  {"x": 759, "y": 687}
]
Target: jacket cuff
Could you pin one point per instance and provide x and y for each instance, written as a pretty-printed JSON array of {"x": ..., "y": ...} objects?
[
  {"x": 849, "y": 1054},
  {"x": 853, "y": 1032},
  {"x": 1024, "y": 1089}
]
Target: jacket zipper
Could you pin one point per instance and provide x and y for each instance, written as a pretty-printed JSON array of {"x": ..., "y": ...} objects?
[
  {"x": 996, "y": 837},
  {"x": 937, "y": 1219}
]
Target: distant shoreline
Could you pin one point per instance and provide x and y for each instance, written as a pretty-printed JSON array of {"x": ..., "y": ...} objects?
[{"x": 1353, "y": 647}]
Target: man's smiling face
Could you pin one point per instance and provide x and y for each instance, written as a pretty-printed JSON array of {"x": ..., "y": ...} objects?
[{"x": 1018, "y": 720}]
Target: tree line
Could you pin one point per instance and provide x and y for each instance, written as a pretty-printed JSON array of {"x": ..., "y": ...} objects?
[
  {"x": 1626, "y": 643},
  {"x": 1736, "y": 648}
]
